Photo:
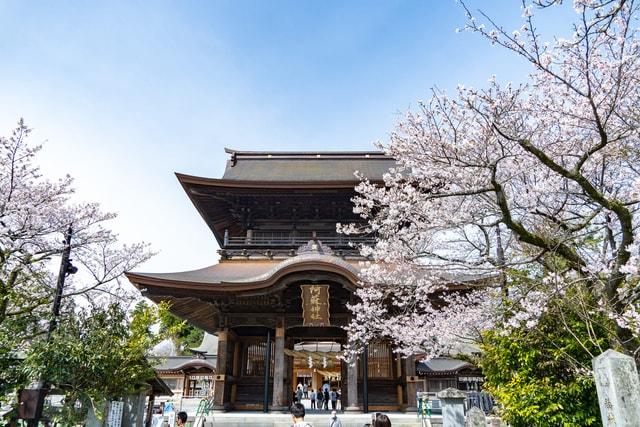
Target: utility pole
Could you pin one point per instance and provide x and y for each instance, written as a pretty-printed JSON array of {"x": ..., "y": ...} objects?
[{"x": 66, "y": 268}]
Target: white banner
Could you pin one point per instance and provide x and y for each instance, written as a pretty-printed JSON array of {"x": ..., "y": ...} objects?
[{"x": 116, "y": 408}]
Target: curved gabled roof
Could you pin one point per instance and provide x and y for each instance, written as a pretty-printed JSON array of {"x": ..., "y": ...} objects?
[
  {"x": 245, "y": 275},
  {"x": 189, "y": 293}
]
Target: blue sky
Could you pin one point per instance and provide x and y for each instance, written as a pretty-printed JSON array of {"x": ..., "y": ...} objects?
[{"x": 125, "y": 93}]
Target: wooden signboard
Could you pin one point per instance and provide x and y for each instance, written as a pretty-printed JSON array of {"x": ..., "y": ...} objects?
[{"x": 315, "y": 305}]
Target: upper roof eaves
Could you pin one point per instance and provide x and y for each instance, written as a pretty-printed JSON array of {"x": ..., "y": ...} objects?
[{"x": 322, "y": 166}]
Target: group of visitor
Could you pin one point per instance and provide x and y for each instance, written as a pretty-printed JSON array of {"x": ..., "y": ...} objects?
[
  {"x": 319, "y": 399},
  {"x": 298, "y": 414},
  {"x": 323, "y": 398},
  {"x": 157, "y": 419}
]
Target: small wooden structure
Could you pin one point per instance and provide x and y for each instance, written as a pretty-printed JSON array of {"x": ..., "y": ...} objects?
[
  {"x": 441, "y": 373},
  {"x": 191, "y": 376}
]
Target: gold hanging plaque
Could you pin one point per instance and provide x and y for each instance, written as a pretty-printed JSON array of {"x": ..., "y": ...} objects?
[{"x": 315, "y": 305}]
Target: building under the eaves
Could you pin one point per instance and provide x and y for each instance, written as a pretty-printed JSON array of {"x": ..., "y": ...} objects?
[
  {"x": 189, "y": 376},
  {"x": 277, "y": 298}
]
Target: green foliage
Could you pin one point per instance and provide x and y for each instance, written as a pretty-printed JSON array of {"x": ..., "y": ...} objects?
[
  {"x": 542, "y": 377},
  {"x": 94, "y": 357},
  {"x": 183, "y": 335}
]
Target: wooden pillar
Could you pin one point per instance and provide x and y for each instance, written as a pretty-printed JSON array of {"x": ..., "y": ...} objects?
[
  {"x": 316, "y": 380},
  {"x": 235, "y": 371},
  {"x": 414, "y": 383},
  {"x": 365, "y": 379},
  {"x": 279, "y": 399},
  {"x": 222, "y": 397},
  {"x": 267, "y": 373},
  {"x": 399, "y": 388},
  {"x": 352, "y": 384},
  {"x": 152, "y": 398}
]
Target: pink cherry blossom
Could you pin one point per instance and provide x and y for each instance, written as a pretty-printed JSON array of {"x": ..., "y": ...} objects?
[{"x": 517, "y": 194}]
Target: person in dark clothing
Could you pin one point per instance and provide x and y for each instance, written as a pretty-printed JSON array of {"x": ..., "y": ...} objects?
[
  {"x": 334, "y": 398},
  {"x": 380, "y": 420},
  {"x": 326, "y": 399}
]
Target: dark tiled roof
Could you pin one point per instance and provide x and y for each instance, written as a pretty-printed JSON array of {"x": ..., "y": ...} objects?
[
  {"x": 306, "y": 167},
  {"x": 441, "y": 365}
]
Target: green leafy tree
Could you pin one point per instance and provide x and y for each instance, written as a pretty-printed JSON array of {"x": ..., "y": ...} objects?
[
  {"x": 183, "y": 334},
  {"x": 541, "y": 376},
  {"x": 96, "y": 356}
]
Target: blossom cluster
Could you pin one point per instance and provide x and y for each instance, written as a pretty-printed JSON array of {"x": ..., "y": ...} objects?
[{"x": 538, "y": 181}]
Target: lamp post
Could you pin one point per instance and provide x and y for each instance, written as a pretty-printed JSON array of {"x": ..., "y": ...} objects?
[{"x": 66, "y": 268}]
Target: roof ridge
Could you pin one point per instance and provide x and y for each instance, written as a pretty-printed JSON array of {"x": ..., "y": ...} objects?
[{"x": 235, "y": 154}]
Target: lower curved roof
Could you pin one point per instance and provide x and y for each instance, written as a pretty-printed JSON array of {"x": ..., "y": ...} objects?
[
  {"x": 237, "y": 275},
  {"x": 189, "y": 292}
]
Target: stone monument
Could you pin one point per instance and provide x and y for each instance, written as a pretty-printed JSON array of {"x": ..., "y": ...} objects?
[
  {"x": 452, "y": 407},
  {"x": 618, "y": 389},
  {"x": 475, "y": 418}
]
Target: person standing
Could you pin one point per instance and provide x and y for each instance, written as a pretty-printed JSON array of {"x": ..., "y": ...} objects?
[
  {"x": 299, "y": 394},
  {"x": 334, "y": 421},
  {"x": 313, "y": 398},
  {"x": 320, "y": 398},
  {"x": 305, "y": 391},
  {"x": 325, "y": 399},
  {"x": 334, "y": 399},
  {"x": 157, "y": 418}
]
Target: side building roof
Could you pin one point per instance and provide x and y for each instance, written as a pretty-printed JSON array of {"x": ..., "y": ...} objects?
[
  {"x": 442, "y": 366},
  {"x": 177, "y": 363}
]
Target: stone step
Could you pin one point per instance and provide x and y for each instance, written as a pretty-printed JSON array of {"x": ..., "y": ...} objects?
[
  {"x": 259, "y": 419},
  {"x": 245, "y": 419}
]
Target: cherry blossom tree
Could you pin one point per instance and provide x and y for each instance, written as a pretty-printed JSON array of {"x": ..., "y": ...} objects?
[
  {"x": 35, "y": 213},
  {"x": 512, "y": 199}
]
